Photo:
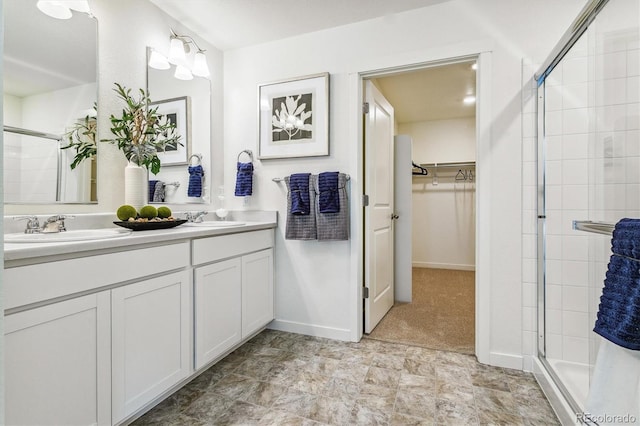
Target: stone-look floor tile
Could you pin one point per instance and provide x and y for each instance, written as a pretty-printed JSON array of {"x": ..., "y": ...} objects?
[
  {"x": 282, "y": 342},
  {"x": 419, "y": 368},
  {"x": 417, "y": 383},
  {"x": 455, "y": 413},
  {"x": 283, "y": 418},
  {"x": 305, "y": 346},
  {"x": 234, "y": 386},
  {"x": 331, "y": 351},
  {"x": 254, "y": 367},
  {"x": 322, "y": 365},
  {"x": 173, "y": 419},
  {"x": 296, "y": 402},
  {"x": 416, "y": 404},
  {"x": 263, "y": 394},
  {"x": 393, "y": 362},
  {"x": 331, "y": 411},
  {"x": 241, "y": 413},
  {"x": 453, "y": 374},
  {"x": 281, "y": 374},
  {"x": 396, "y": 349},
  {"x": 309, "y": 382},
  {"x": 457, "y": 359},
  {"x": 209, "y": 407},
  {"x": 421, "y": 354},
  {"x": 490, "y": 379},
  {"x": 376, "y": 398},
  {"x": 351, "y": 371},
  {"x": 383, "y": 377},
  {"x": 495, "y": 400},
  {"x": 267, "y": 353},
  {"x": 399, "y": 419},
  {"x": 537, "y": 411},
  {"x": 367, "y": 416},
  {"x": 499, "y": 418},
  {"x": 355, "y": 356},
  {"x": 341, "y": 388},
  {"x": 454, "y": 392},
  {"x": 290, "y": 359}
]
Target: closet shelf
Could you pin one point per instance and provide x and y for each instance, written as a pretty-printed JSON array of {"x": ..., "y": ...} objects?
[{"x": 463, "y": 165}]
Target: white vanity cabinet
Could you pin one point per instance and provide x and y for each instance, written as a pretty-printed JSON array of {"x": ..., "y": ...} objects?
[
  {"x": 151, "y": 344},
  {"x": 58, "y": 363},
  {"x": 233, "y": 290}
]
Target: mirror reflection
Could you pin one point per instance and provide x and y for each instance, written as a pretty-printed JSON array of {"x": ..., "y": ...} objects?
[
  {"x": 188, "y": 104},
  {"x": 50, "y": 92}
]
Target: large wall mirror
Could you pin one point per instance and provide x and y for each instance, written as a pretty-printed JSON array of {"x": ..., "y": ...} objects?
[
  {"x": 188, "y": 103},
  {"x": 50, "y": 94}
]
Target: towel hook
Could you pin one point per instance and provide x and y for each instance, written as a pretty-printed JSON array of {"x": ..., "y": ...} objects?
[
  {"x": 198, "y": 159},
  {"x": 248, "y": 152}
]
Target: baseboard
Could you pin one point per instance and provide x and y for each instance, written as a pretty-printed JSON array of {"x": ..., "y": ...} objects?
[
  {"x": 455, "y": 266},
  {"x": 311, "y": 330},
  {"x": 498, "y": 359}
]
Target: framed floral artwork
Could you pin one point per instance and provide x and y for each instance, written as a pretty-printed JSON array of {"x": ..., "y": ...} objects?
[
  {"x": 177, "y": 111},
  {"x": 294, "y": 117}
]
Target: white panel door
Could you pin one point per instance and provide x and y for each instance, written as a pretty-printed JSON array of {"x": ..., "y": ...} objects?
[
  {"x": 151, "y": 343},
  {"x": 57, "y": 363},
  {"x": 378, "y": 256},
  {"x": 257, "y": 291},
  {"x": 218, "y": 293}
]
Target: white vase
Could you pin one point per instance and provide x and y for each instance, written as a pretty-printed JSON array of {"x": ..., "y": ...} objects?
[{"x": 135, "y": 185}]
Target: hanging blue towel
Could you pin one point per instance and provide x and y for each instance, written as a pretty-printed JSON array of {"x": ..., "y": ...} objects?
[
  {"x": 195, "y": 181},
  {"x": 619, "y": 312},
  {"x": 152, "y": 188},
  {"x": 328, "y": 198},
  {"x": 299, "y": 193},
  {"x": 244, "y": 179}
]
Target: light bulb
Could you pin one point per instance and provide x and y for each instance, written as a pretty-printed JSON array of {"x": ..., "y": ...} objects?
[
  {"x": 158, "y": 61},
  {"x": 176, "y": 52},
  {"x": 468, "y": 100},
  {"x": 200, "y": 67},
  {"x": 77, "y": 5},
  {"x": 183, "y": 73},
  {"x": 53, "y": 8}
]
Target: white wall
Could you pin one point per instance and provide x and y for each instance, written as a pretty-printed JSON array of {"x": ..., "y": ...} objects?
[
  {"x": 443, "y": 231},
  {"x": 316, "y": 282}
]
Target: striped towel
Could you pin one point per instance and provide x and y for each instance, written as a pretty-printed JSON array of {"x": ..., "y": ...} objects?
[
  {"x": 195, "y": 181},
  {"x": 244, "y": 179},
  {"x": 334, "y": 226},
  {"x": 299, "y": 194},
  {"x": 328, "y": 198},
  {"x": 299, "y": 226}
]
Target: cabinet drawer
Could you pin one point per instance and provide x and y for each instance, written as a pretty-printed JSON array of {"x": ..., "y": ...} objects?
[
  {"x": 36, "y": 283},
  {"x": 217, "y": 248}
]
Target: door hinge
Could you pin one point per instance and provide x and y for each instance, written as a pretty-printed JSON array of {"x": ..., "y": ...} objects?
[
  {"x": 365, "y": 200},
  {"x": 365, "y": 292},
  {"x": 365, "y": 108}
]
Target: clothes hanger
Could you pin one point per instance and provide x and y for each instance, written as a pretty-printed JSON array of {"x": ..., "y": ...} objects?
[
  {"x": 461, "y": 175},
  {"x": 422, "y": 171}
]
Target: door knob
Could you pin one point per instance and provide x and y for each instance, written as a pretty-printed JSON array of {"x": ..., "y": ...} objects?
[{"x": 394, "y": 216}]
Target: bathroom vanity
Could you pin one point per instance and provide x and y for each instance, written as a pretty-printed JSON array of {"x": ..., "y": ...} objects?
[{"x": 99, "y": 331}]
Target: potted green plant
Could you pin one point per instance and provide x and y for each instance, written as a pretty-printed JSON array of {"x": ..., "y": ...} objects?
[
  {"x": 81, "y": 137},
  {"x": 140, "y": 132}
]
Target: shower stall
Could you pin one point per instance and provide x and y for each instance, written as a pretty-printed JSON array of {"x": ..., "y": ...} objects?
[{"x": 588, "y": 137}]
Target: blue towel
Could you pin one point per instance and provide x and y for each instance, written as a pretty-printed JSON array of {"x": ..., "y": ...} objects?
[
  {"x": 244, "y": 179},
  {"x": 152, "y": 189},
  {"x": 328, "y": 199},
  {"x": 299, "y": 193},
  {"x": 195, "y": 181},
  {"x": 619, "y": 312}
]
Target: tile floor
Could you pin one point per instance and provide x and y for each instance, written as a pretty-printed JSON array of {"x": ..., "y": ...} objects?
[{"x": 289, "y": 379}]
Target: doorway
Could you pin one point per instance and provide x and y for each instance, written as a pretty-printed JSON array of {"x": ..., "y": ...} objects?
[{"x": 432, "y": 109}]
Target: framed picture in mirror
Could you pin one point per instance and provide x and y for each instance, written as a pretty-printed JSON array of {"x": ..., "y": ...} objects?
[
  {"x": 294, "y": 117},
  {"x": 177, "y": 111}
]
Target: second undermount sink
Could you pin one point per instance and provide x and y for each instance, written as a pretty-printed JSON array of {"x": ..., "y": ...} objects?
[
  {"x": 215, "y": 223},
  {"x": 65, "y": 236}
]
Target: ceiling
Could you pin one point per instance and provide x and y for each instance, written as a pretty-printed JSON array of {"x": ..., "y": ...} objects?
[
  {"x": 433, "y": 93},
  {"x": 230, "y": 24}
]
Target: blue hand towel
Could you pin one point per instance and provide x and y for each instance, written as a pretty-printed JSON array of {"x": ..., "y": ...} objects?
[
  {"x": 244, "y": 179},
  {"x": 299, "y": 193},
  {"x": 195, "y": 181},
  {"x": 152, "y": 188},
  {"x": 328, "y": 199},
  {"x": 618, "y": 317}
]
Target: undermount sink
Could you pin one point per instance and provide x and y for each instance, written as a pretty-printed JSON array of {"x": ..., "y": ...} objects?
[
  {"x": 215, "y": 223},
  {"x": 59, "y": 237}
]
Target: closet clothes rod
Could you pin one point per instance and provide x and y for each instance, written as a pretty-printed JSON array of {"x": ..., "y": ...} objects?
[
  {"x": 603, "y": 228},
  {"x": 282, "y": 179},
  {"x": 452, "y": 165}
]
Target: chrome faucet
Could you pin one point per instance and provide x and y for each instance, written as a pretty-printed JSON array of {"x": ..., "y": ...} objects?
[
  {"x": 33, "y": 225},
  {"x": 195, "y": 217},
  {"x": 55, "y": 223}
]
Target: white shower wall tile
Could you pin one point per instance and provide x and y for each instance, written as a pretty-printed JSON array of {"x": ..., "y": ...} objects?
[
  {"x": 575, "y": 197},
  {"x": 529, "y": 270},
  {"x": 633, "y": 62},
  {"x": 553, "y": 147},
  {"x": 633, "y": 89},
  {"x": 575, "y": 96},
  {"x": 632, "y": 143},
  {"x": 553, "y": 97},
  {"x": 611, "y": 65},
  {"x": 528, "y": 316},
  {"x": 529, "y": 298},
  {"x": 575, "y": 146},
  {"x": 574, "y": 247},
  {"x": 575, "y": 298},
  {"x": 553, "y": 345},
  {"x": 575, "y": 273},
  {"x": 554, "y": 296},
  {"x": 575, "y": 349},
  {"x": 575, "y": 120},
  {"x": 554, "y": 321},
  {"x": 529, "y": 248},
  {"x": 574, "y": 70},
  {"x": 575, "y": 324}
]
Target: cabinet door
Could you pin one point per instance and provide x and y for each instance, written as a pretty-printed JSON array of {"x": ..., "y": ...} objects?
[
  {"x": 217, "y": 304},
  {"x": 151, "y": 340},
  {"x": 257, "y": 291},
  {"x": 57, "y": 363}
]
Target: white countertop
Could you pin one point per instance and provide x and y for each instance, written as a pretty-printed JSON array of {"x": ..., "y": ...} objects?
[{"x": 15, "y": 253}]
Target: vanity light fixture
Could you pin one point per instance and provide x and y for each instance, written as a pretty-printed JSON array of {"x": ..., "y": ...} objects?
[
  {"x": 179, "y": 48},
  {"x": 474, "y": 66},
  {"x": 61, "y": 9},
  {"x": 469, "y": 99}
]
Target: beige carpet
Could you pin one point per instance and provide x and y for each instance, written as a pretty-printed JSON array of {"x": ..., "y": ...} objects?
[{"x": 440, "y": 316}]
